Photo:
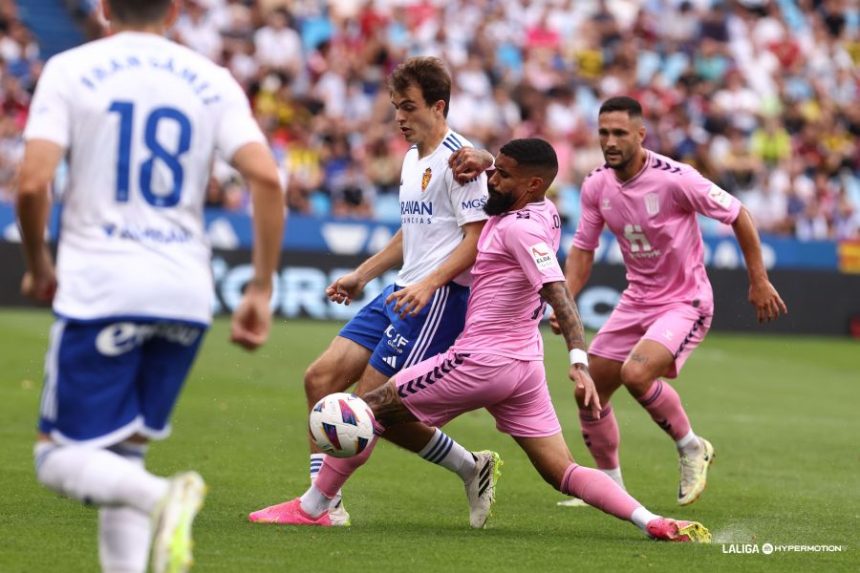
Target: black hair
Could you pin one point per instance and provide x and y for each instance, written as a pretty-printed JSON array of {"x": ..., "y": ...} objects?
[
  {"x": 138, "y": 12},
  {"x": 622, "y": 103},
  {"x": 533, "y": 152}
]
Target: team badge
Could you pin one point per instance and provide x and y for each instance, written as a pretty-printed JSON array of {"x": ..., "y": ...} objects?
[
  {"x": 652, "y": 203},
  {"x": 425, "y": 179}
]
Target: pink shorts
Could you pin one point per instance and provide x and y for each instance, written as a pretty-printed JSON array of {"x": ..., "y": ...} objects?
[
  {"x": 441, "y": 388},
  {"x": 679, "y": 327}
]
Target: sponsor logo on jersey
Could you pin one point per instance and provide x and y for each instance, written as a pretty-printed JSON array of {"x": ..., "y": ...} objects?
[
  {"x": 396, "y": 341},
  {"x": 391, "y": 361},
  {"x": 543, "y": 256},
  {"x": 720, "y": 197},
  {"x": 474, "y": 203},
  {"x": 652, "y": 203},
  {"x": 416, "y": 207},
  {"x": 122, "y": 337},
  {"x": 606, "y": 205},
  {"x": 425, "y": 179}
]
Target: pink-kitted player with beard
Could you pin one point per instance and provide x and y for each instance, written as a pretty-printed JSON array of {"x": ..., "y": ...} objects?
[
  {"x": 497, "y": 361},
  {"x": 650, "y": 203}
]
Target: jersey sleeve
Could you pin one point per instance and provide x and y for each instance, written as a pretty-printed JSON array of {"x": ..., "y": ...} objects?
[
  {"x": 699, "y": 194},
  {"x": 469, "y": 199},
  {"x": 237, "y": 125},
  {"x": 531, "y": 246},
  {"x": 50, "y": 114},
  {"x": 587, "y": 236}
]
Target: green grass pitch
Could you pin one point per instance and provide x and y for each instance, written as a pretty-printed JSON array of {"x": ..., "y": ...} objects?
[{"x": 782, "y": 413}]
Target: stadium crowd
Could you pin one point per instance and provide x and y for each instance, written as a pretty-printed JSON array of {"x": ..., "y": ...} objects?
[{"x": 760, "y": 95}]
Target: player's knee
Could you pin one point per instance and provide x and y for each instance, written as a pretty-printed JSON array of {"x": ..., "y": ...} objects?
[
  {"x": 636, "y": 377},
  {"x": 318, "y": 383}
]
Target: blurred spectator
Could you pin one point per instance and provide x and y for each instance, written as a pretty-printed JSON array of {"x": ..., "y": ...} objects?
[{"x": 758, "y": 94}]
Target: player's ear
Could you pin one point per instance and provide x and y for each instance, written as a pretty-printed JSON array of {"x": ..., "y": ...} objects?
[
  {"x": 172, "y": 14},
  {"x": 106, "y": 10},
  {"x": 440, "y": 107}
]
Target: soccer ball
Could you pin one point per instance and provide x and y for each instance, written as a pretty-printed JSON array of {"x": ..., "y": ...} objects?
[{"x": 341, "y": 424}]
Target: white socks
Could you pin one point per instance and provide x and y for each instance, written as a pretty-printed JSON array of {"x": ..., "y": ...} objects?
[
  {"x": 316, "y": 465},
  {"x": 689, "y": 445},
  {"x": 615, "y": 474},
  {"x": 115, "y": 480},
  {"x": 98, "y": 476},
  {"x": 447, "y": 453},
  {"x": 641, "y": 517},
  {"x": 314, "y": 503}
]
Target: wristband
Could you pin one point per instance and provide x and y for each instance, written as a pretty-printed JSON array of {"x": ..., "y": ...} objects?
[{"x": 578, "y": 356}]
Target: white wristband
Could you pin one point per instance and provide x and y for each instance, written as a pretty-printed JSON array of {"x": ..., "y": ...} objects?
[{"x": 578, "y": 356}]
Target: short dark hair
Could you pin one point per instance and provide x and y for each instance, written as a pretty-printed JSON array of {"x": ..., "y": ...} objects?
[
  {"x": 139, "y": 11},
  {"x": 533, "y": 152},
  {"x": 622, "y": 103},
  {"x": 429, "y": 74}
]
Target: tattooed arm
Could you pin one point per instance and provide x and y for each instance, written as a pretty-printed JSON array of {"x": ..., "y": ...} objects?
[{"x": 557, "y": 295}]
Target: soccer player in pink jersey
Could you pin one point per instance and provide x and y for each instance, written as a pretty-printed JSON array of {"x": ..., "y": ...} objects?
[
  {"x": 650, "y": 202},
  {"x": 497, "y": 361}
]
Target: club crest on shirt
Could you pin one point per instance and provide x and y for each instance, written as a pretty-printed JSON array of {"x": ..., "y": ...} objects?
[
  {"x": 652, "y": 203},
  {"x": 606, "y": 205},
  {"x": 543, "y": 256},
  {"x": 425, "y": 179}
]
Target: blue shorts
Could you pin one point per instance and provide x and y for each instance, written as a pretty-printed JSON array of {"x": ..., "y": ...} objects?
[
  {"x": 401, "y": 342},
  {"x": 108, "y": 380}
]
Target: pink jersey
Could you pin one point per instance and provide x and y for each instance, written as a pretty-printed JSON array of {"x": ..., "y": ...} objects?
[
  {"x": 653, "y": 215},
  {"x": 516, "y": 257}
]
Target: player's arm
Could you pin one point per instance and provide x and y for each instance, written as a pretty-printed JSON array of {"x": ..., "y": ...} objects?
[
  {"x": 762, "y": 294},
  {"x": 570, "y": 325},
  {"x": 33, "y": 204},
  {"x": 350, "y": 286},
  {"x": 577, "y": 269},
  {"x": 411, "y": 299},
  {"x": 252, "y": 318}
]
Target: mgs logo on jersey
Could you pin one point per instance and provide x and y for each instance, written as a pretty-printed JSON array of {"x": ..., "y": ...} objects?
[
  {"x": 543, "y": 256},
  {"x": 425, "y": 179}
]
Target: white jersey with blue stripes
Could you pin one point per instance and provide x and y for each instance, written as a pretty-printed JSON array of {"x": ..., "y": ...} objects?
[
  {"x": 433, "y": 208},
  {"x": 141, "y": 118}
]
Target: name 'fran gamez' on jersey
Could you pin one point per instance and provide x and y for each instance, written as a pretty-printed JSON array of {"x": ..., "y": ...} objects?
[
  {"x": 433, "y": 207},
  {"x": 142, "y": 118}
]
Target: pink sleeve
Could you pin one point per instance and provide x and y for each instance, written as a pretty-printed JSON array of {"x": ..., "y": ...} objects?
[
  {"x": 591, "y": 222},
  {"x": 531, "y": 246},
  {"x": 699, "y": 194}
]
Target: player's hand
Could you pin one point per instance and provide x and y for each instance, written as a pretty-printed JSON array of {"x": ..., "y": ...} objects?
[
  {"x": 585, "y": 385},
  {"x": 345, "y": 289},
  {"x": 40, "y": 282},
  {"x": 467, "y": 163},
  {"x": 252, "y": 319},
  {"x": 767, "y": 302},
  {"x": 553, "y": 324},
  {"x": 411, "y": 299}
]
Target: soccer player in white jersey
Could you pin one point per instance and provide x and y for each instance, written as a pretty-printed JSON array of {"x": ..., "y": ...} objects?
[
  {"x": 497, "y": 361},
  {"x": 140, "y": 119},
  {"x": 422, "y": 313}
]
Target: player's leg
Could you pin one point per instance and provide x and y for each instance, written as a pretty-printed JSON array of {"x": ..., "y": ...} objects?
[
  {"x": 662, "y": 352},
  {"x": 89, "y": 403},
  {"x": 606, "y": 355},
  {"x": 553, "y": 461},
  {"x": 125, "y": 532},
  {"x": 409, "y": 341},
  {"x": 600, "y": 433}
]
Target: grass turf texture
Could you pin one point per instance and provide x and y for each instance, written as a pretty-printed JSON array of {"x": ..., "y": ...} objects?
[{"x": 780, "y": 411}]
